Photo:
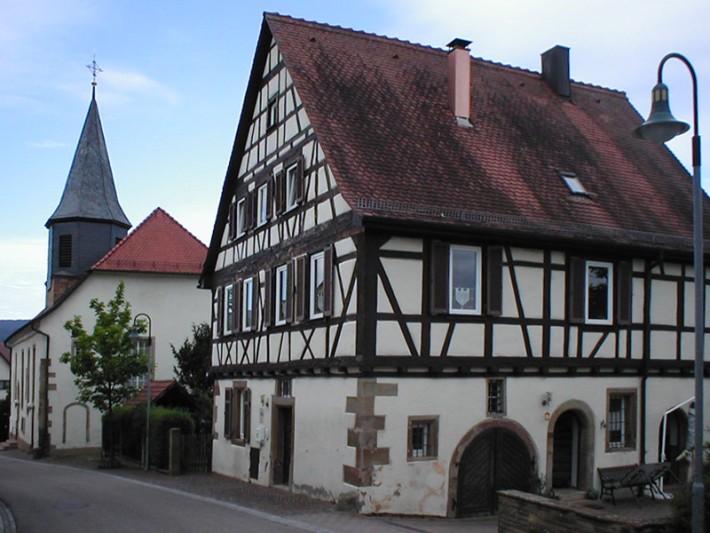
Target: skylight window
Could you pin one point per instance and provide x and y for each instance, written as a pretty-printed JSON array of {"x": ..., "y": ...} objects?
[{"x": 573, "y": 184}]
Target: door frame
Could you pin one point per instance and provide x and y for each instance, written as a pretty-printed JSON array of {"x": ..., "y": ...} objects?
[
  {"x": 585, "y": 417},
  {"x": 281, "y": 403},
  {"x": 469, "y": 437}
]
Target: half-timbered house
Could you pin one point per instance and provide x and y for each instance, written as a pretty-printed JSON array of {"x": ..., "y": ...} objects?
[{"x": 435, "y": 276}]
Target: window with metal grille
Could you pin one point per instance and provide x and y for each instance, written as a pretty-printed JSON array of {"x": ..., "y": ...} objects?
[
  {"x": 496, "y": 397},
  {"x": 621, "y": 420},
  {"x": 422, "y": 437},
  {"x": 65, "y": 251}
]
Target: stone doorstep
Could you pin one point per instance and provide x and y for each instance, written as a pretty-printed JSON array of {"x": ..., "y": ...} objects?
[{"x": 9, "y": 444}]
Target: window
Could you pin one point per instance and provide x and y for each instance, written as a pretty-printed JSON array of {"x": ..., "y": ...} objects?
[
  {"x": 263, "y": 211},
  {"x": 599, "y": 293},
  {"x": 228, "y": 313},
  {"x": 241, "y": 217},
  {"x": 621, "y": 420},
  {"x": 464, "y": 280},
  {"x": 143, "y": 347},
  {"x": 283, "y": 291},
  {"x": 237, "y": 408},
  {"x": 495, "y": 400},
  {"x": 598, "y": 283},
  {"x": 249, "y": 294},
  {"x": 65, "y": 251},
  {"x": 573, "y": 183},
  {"x": 283, "y": 387},
  {"x": 317, "y": 294},
  {"x": 272, "y": 113},
  {"x": 292, "y": 185},
  {"x": 422, "y": 437}
]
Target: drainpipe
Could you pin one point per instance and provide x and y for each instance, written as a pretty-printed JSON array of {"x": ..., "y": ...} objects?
[
  {"x": 642, "y": 417},
  {"x": 44, "y": 397}
]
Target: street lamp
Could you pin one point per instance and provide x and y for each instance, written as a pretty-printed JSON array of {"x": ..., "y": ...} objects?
[
  {"x": 135, "y": 335},
  {"x": 660, "y": 127}
]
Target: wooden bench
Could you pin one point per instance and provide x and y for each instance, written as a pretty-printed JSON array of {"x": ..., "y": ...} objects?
[{"x": 632, "y": 477}]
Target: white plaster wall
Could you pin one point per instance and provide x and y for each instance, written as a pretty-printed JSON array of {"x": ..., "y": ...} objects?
[{"x": 174, "y": 305}]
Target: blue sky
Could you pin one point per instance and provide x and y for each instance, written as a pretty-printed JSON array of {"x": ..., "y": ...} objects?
[{"x": 175, "y": 73}]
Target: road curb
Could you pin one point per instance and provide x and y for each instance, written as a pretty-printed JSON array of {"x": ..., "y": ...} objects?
[{"x": 7, "y": 520}]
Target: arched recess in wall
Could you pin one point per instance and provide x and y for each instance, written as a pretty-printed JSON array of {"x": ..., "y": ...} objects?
[
  {"x": 75, "y": 424},
  {"x": 502, "y": 446},
  {"x": 573, "y": 419}
]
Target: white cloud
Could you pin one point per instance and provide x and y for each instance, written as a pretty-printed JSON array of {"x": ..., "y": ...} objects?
[
  {"x": 46, "y": 144},
  {"x": 22, "y": 277},
  {"x": 135, "y": 83}
]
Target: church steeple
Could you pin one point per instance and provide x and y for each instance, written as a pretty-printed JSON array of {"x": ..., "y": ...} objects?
[{"x": 89, "y": 219}]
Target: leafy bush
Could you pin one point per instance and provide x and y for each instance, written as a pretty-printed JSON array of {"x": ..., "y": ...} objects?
[
  {"x": 161, "y": 421},
  {"x": 683, "y": 501}
]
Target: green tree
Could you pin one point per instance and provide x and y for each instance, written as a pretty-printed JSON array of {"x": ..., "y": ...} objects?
[
  {"x": 104, "y": 361},
  {"x": 193, "y": 371}
]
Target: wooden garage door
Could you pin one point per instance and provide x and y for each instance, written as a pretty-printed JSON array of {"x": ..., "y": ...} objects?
[{"x": 495, "y": 460}]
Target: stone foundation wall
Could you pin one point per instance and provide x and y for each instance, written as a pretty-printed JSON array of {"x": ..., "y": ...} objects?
[{"x": 520, "y": 512}]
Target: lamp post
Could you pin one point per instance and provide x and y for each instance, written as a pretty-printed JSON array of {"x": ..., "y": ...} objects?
[
  {"x": 136, "y": 336},
  {"x": 660, "y": 127}
]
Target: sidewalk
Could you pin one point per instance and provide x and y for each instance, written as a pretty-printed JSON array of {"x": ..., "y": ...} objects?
[{"x": 322, "y": 515}]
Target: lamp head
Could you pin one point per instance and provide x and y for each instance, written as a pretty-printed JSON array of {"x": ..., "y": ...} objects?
[{"x": 661, "y": 125}]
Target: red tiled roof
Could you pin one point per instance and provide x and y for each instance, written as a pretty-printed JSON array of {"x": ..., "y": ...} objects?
[
  {"x": 158, "y": 387},
  {"x": 380, "y": 110},
  {"x": 5, "y": 352},
  {"x": 158, "y": 244}
]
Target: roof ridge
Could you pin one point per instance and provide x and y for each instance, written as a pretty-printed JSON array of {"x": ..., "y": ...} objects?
[
  {"x": 360, "y": 33},
  {"x": 419, "y": 46}
]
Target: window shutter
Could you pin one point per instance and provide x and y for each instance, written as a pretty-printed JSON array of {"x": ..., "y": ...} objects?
[
  {"x": 301, "y": 291},
  {"x": 227, "y": 413},
  {"x": 237, "y": 302},
  {"x": 247, "y": 414},
  {"x": 250, "y": 214},
  {"x": 623, "y": 293},
  {"x": 439, "y": 278},
  {"x": 269, "y": 199},
  {"x": 290, "y": 292},
  {"x": 255, "y": 302},
  {"x": 220, "y": 312},
  {"x": 232, "y": 222},
  {"x": 280, "y": 192},
  {"x": 300, "y": 182},
  {"x": 237, "y": 399},
  {"x": 328, "y": 281},
  {"x": 268, "y": 298},
  {"x": 576, "y": 296},
  {"x": 494, "y": 286}
]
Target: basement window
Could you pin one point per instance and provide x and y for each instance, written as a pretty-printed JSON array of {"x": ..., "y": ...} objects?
[
  {"x": 422, "y": 438},
  {"x": 573, "y": 183}
]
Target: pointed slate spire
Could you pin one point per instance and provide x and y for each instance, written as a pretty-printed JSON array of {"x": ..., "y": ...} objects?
[{"x": 90, "y": 193}]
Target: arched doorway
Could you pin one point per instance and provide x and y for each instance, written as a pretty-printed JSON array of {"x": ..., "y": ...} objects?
[
  {"x": 565, "y": 460},
  {"x": 570, "y": 447},
  {"x": 676, "y": 435},
  {"x": 493, "y": 457}
]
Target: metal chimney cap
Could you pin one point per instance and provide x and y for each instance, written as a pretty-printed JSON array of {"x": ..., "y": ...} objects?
[{"x": 458, "y": 43}]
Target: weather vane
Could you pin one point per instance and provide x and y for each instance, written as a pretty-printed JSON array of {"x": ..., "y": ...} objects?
[{"x": 94, "y": 68}]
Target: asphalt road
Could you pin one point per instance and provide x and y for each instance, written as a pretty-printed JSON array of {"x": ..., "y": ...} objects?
[{"x": 52, "y": 498}]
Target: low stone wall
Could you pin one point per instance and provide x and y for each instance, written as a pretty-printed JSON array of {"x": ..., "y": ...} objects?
[{"x": 520, "y": 512}]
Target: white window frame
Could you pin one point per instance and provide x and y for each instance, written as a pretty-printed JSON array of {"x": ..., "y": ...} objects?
[
  {"x": 228, "y": 313},
  {"x": 241, "y": 217},
  {"x": 610, "y": 292},
  {"x": 316, "y": 259},
  {"x": 282, "y": 295},
  {"x": 248, "y": 311},
  {"x": 476, "y": 310},
  {"x": 262, "y": 205},
  {"x": 574, "y": 184},
  {"x": 291, "y": 188}
]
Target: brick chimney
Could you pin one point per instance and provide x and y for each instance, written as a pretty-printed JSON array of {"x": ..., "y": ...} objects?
[
  {"x": 460, "y": 81},
  {"x": 555, "y": 69}
]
